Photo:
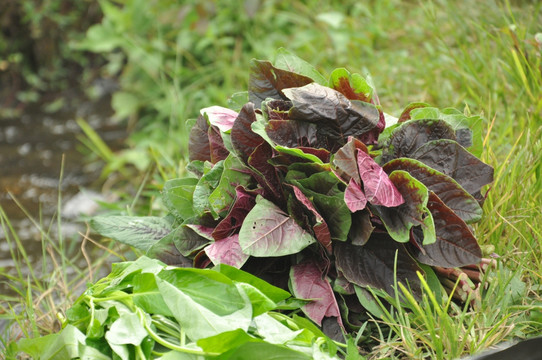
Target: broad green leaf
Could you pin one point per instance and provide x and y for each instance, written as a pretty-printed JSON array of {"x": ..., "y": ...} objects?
[
  {"x": 60, "y": 346},
  {"x": 205, "y": 286},
  {"x": 139, "y": 232},
  {"x": 225, "y": 341},
  {"x": 177, "y": 195},
  {"x": 286, "y": 60},
  {"x": 260, "y": 302},
  {"x": 299, "y": 153},
  {"x": 147, "y": 296},
  {"x": 368, "y": 301},
  {"x": 197, "y": 320},
  {"x": 127, "y": 329},
  {"x": 273, "y": 331},
  {"x": 268, "y": 231}
]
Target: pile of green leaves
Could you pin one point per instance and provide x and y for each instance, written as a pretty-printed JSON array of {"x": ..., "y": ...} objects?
[
  {"x": 147, "y": 310},
  {"x": 302, "y": 183}
]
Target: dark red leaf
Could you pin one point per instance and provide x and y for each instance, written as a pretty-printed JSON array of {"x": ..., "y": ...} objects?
[
  {"x": 267, "y": 81},
  {"x": 373, "y": 264},
  {"x": 293, "y": 133},
  {"x": 410, "y": 136},
  {"x": 452, "y": 159},
  {"x": 346, "y": 159},
  {"x": 446, "y": 188},
  {"x": 266, "y": 174},
  {"x": 243, "y": 139},
  {"x": 217, "y": 149},
  {"x": 231, "y": 224},
  {"x": 361, "y": 228},
  {"x": 455, "y": 246},
  {"x": 198, "y": 142}
]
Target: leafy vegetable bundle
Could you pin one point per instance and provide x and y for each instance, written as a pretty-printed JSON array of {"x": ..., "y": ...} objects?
[{"x": 303, "y": 184}]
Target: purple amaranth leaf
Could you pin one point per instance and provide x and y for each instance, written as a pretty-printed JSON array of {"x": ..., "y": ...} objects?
[
  {"x": 379, "y": 189},
  {"x": 231, "y": 224},
  {"x": 216, "y": 145},
  {"x": 266, "y": 174},
  {"x": 243, "y": 139},
  {"x": 308, "y": 282},
  {"x": 198, "y": 142},
  {"x": 450, "y": 158},
  {"x": 345, "y": 159},
  {"x": 203, "y": 231},
  {"x": 446, "y": 188},
  {"x": 227, "y": 251},
  {"x": 354, "y": 197},
  {"x": 455, "y": 245},
  {"x": 374, "y": 264},
  {"x": 221, "y": 117},
  {"x": 267, "y": 81},
  {"x": 361, "y": 228},
  {"x": 269, "y": 232},
  {"x": 411, "y": 135},
  {"x": 320, "y": 228}
]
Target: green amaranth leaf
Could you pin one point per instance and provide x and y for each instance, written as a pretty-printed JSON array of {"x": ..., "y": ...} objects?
[
  {"x": 177, "y": 195},
  {"x": 139, "y": 232},
  {"x": 233, "y": 175},
  {"x": 353, "y": 86},
  {"x": 268, "y": 231}
]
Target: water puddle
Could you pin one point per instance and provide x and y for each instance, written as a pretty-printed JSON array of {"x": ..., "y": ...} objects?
[{"x": 33, "y": 147}]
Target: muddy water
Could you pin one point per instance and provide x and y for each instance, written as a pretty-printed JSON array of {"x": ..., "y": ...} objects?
[{"x": 33, "y": 145}]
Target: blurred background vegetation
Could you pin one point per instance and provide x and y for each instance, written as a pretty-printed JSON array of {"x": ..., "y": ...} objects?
[{"x": 167, "y": 59}]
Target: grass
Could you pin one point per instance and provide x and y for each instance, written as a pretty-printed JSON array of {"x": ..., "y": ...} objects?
[{"x": 481, "y": 56}]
